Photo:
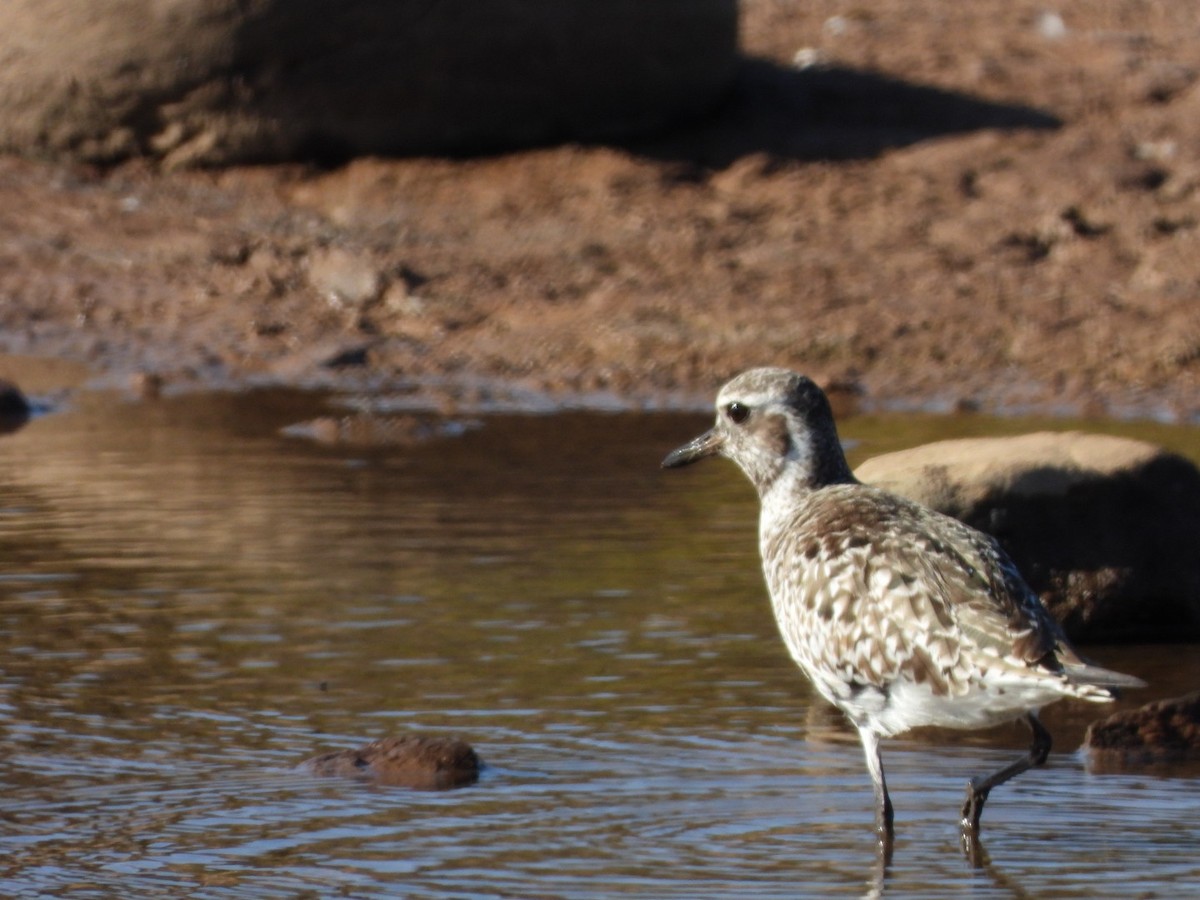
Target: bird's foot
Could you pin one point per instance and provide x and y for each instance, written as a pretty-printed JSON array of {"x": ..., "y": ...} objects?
[
  {"x": 973, "y": 808},
  {"x": 972, "y": 849}
]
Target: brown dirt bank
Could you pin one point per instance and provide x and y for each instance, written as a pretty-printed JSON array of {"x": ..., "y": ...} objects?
[{"x": 981, "y": 204}]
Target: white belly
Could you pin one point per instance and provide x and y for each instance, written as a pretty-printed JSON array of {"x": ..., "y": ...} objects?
[{"x": 901, "y": 704}]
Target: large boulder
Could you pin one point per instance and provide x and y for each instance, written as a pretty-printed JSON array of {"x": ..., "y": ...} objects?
[
  {"x": 215, "y": 81},
  {"x": 1105, "y": 529}
]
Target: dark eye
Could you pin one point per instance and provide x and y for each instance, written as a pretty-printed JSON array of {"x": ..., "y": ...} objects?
[{"x": 737, "y": 413}]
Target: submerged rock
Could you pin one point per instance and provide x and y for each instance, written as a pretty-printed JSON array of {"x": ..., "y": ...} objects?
[
  {"x": 367, "y": 430},
  {"x": 412, "y": 761},
  {"x": 1162, "y": 732},
  {"x": 1103, "y": 528}
]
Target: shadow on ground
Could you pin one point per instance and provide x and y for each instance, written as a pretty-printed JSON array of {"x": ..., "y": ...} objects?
[{"x": 830, "y": 113}]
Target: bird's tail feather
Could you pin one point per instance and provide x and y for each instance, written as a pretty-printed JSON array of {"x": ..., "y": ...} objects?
[{"x": 1099, "y": 684}]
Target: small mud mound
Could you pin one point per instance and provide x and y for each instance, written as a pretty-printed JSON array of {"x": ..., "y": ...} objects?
[
  {"x": 412, "y": 761},
  {"x": 1157, "y": 734}
]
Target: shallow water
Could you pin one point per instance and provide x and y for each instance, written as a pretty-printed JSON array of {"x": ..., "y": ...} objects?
[{"x": 191, "y": 603}]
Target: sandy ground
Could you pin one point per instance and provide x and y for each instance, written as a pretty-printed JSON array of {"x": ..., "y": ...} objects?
[{"x": 988, "y": 205}]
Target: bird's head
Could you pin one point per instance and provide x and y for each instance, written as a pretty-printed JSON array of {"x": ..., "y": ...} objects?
[{"x": 774, "y": 424}]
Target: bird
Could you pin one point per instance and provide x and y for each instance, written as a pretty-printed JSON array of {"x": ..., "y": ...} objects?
[{"x": 900, "y": 616}]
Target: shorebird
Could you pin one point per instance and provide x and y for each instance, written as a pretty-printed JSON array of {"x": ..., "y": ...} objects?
[{"x": 900, "y": 616}]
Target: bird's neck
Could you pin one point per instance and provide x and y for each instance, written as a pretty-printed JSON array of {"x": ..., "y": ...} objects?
[
  {"x": 803, "y": 472},
  {"x": 792, "y": 485}
]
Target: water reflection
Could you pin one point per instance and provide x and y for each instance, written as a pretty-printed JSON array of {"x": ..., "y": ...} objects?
[{"x": 191, "y": 603}]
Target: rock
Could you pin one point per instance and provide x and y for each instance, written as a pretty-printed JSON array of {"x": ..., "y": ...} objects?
[
  {"x": 344, "y": 279},
  {"x": 412, "y": 761},
  {"x": 334, "y": 353},
  {"x": 14, "y": 407},
  {"x": 209, "y": 82},
  {"x": 1163, "y": 732},
  {"x": 1051, "y": 26},
  {"x": 354, "y": 355},
  {"x": 146, "y": 385},
  {"x": 1103, "y": 528},
  {"x": 12, "y": 402}
]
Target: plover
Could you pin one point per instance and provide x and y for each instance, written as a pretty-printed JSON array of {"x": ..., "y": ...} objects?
[{"x": 900, "y": 616}]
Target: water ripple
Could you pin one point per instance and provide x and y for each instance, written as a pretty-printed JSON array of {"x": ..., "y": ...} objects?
[{"x": 189, "y": 605}]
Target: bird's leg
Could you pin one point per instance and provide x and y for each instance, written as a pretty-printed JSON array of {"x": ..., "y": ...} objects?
[
  {"x": 978, "y": 788},
  {"x": 883, "y": 803}
]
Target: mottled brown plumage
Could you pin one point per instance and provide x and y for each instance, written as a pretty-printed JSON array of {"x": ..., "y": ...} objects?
[{"x": 900, "y": 616}]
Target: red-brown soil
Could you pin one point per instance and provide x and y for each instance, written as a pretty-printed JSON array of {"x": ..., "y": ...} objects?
[{"x": 948, "y": 204}]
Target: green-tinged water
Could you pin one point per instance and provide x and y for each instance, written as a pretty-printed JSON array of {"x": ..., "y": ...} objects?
[{"x": 191, "y": 603}]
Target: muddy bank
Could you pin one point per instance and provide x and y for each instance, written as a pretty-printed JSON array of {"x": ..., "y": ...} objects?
[{"x": 988, "y": 207}]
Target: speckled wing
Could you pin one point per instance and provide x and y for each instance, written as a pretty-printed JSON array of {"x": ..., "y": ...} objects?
[
  {"x": 869, "y": 588},
  {"x": 984, "y": 593},
  {"x": 997, "y": 610}
]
